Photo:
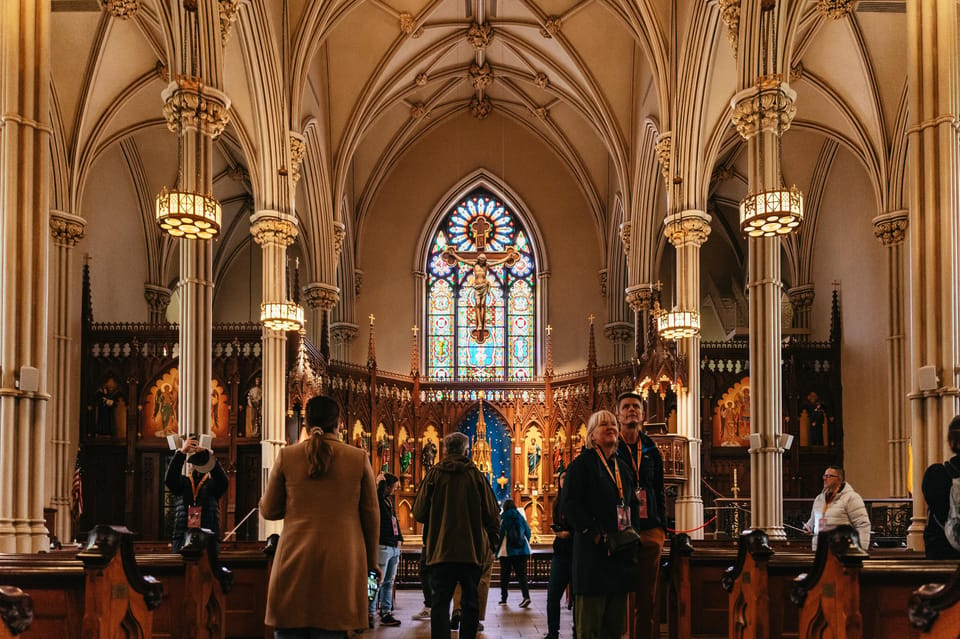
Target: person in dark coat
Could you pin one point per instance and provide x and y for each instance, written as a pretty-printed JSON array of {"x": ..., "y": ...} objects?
[
  {"x": 198, "y": 492},
  {"x": 560, "y": 565},
  {"x": 937, "y": 481},
  {"x": 646, "y": 468},
  {"x": 598, "y": 501},
  {"x": 513, "y": 558}
]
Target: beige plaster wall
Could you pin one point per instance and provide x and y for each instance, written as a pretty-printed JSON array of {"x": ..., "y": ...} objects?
[
  {"x": 846, "y": 250},
  {"x": 389, "y": 237}
]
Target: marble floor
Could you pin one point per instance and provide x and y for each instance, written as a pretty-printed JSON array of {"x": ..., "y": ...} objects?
[{"x": 502, "y": 622}]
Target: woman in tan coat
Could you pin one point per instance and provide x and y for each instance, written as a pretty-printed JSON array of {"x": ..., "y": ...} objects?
[{"x": 325, "y": 493}]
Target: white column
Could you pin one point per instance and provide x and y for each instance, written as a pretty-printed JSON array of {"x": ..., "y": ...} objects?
[
  {"x": 891, "y": 229},
  {"x": 274, "y": 232},
  {"x": 687, "y": 231},
  {"x": 66, "y": 230},
  {"x": 24, "y": 219}
]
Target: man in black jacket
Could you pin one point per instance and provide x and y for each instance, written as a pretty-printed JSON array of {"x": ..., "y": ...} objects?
[
  {"x": 937, "y": 482},
  {"x": 646, "y": 469},
  {"x": 198, "y": 492}
]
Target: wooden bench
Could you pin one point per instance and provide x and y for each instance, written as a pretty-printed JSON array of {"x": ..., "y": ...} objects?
[
  {"x": 16, "y": 611},
  {"x": 676, "y": 587},
  {"x": 747, "y": 581},
  {"x": 934, "y": 609}
]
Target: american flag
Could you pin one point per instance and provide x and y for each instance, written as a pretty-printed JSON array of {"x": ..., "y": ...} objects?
[{"x": 76, "y": 493}]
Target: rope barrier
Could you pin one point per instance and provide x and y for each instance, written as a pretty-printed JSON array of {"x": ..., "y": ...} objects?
[{"x": 703, "y": 525}]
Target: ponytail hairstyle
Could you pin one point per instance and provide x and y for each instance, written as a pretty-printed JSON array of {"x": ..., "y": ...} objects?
[
  {"x": 322, "y": 413},
  {"x": 389, "y": 479}
]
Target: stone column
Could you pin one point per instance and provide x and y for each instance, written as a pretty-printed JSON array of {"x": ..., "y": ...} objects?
[
  {"x": 891, "y": 230},
  {"x": 24, "y": 218},
  {"x": 933, "y": 106},
  {"x": 687, "y": 231},
  {"x": 760, "y": 113},
  {"x": 640, "y": 299},
  {"x": 801, "y": 298},
  {"x": 158, "y": 299},
  {"x": 274, "y": 232},
  {"x": 199, "y": 114},
  {"x": 66, "y": 230}
]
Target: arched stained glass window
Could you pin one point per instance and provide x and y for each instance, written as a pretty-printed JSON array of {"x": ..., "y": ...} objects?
[{"x": 481, "y": 294}]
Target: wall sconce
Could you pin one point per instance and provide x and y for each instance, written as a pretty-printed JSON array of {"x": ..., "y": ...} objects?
[{"x": 785, "y": 441}]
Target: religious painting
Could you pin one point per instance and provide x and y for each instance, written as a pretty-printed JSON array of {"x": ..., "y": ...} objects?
[
  {"x": 817, "y": 426},
  {"x": 560, "y": 453},
  {"x": 731, "y": 416},
  {"x": 219, "y": 410},
  {"x": 382, "y": 461},
  {"x": 111, "y": 411},
  {"x": 490, "y": 443},
  {"x": 406, "y": 451},
  {"x": 430, "y": 446},
  {"x": 159, "y": 415},
  {"x": 533, "y": 455}
]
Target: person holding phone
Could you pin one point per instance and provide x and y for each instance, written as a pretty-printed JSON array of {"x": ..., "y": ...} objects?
[
  {"x": 198, "y": 491},
  {"x": 324, "y": 491}
]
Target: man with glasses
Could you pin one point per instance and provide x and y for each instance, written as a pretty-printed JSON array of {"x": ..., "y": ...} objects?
[{"x": 838, "y": 505}]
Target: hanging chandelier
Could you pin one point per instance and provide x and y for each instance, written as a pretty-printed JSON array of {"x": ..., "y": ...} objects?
[
  {"x": 770, "y": 213},
  {"x": 678, "y": 324},
  {"x": 281, "y": 316},
  {"x": 180, "y": 212}
]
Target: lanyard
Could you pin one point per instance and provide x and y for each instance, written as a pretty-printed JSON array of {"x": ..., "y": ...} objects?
[
  {"x": 196, "y": 488},
  {"x": 616, "y": 466},
  {"x": 635, "y": 460}
]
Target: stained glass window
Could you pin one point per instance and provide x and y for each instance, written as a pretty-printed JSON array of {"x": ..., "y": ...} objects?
[{"x": 493, "y": 340}]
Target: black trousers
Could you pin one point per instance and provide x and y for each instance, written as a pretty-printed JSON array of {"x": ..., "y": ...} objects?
[
  {"x": 561, "y": 571},
  {"x": 518, "y": 565},
  {"x": 425, "y": 584},
  {"x": 444, "y": 579}
]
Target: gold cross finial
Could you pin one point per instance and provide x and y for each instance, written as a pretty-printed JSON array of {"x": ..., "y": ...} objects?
[
  {"x": 549, "y": 329},
  {"x": 591, "y": 317},
  {"x": 372, "y": 318},
  {"x": 415, "y": 330}
]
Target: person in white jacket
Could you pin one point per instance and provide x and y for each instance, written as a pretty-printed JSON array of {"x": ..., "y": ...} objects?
[{"x": 838, "y": 505}]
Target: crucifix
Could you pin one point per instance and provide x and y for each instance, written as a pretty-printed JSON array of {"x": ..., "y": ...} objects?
[{"x": 480, "y": 282}]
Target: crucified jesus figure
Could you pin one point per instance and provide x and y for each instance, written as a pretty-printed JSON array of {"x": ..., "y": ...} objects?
[{"x": 480, "y": 283}]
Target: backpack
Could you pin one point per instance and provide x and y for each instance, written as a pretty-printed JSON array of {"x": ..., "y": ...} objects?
[
  {"x": 951, "y": 527},
  {"x": 515, "y": 536}
]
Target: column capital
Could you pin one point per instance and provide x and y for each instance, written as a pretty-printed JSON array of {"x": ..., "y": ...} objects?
[
  {"x": 730, "y": 14},
  {"x": 891, "y": 228},
  {"x": 339, "y": 234},
  {"x": 122, "y": 9},
  {"x": 687, "y": 228},
  {"x": 228, "y": 17},
  {"x": 273, "y": 227},
  {"x": 343, "y": 332},
  {"x": 626, "y": 232},
  {"x": 618, "y": 332},
  {"x": 801, "y": 297},
  {"x": 768, "y": 106},
  {"x": 321, "y": 295},
  {"x": 298, "y": 149},
  {"x": 66, "y": 228},
  {"x": 662, "y": 150},
  {"x": 603, "y": 281},
  {"x": 188, "y": 103},
  {"x": 640, "y": 296},
  {"x": 158, "y": 298}
]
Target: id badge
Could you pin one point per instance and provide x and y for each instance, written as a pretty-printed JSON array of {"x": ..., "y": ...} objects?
[
  {"x": 820, "y": 523},
  {"x": 193, "y": 517},
  {"x": 623, "y": 517},
  {"x": 396, "y": 526},
  {"x": 642, "y": 503}
]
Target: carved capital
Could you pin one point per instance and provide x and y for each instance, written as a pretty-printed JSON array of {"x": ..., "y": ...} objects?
[
  {"x": 835, "y": 9},
  {"x": 408, "y": 25},
  {"x": 479, "y": 35},
  {"x": 357, "y": 281},
  {"x": 662, "y": 151},
  {"x": 480, "y": 108},
  {"x": 687, "y": 228},
  {"x": 343, "y": 332},
  {"x": 298, "y": 149},
  {"x": 321, "y": 295},
  {"x": 122, "y": 9},
  {"x": 603, "y": 282},
  {"x": 339, "y": 233},
  {"x": 891, "y": 228},
  {"x": 66, "y": 229},
  {"x": 626, "y": 232},
  {"x": 640, "y": 296},
  {"x": 730, "y": 14},
  {"x": 481, "y": 75},
  {"x": 551, "y": 27},
  {"x": 158, "y": 297},
  {"x": 228, "y": 18},
  {"x": 618, "y": 332},
  {"x": 189, "y": 104},
  {"x": 801, "y": 297},
  {"x": 272, "y": 227},
  {"x": 769, "y": 106}
]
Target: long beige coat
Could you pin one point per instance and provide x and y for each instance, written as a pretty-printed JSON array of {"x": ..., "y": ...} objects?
[{"x": 331, "y": 527}]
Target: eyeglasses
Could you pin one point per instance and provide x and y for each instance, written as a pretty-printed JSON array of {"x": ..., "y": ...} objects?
[{"x": 828, "y": 476}]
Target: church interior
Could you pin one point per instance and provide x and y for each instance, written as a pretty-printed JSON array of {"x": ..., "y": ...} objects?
[{"x": 486, "y": 216}]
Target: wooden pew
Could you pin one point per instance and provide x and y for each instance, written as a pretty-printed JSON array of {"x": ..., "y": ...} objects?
[
  {"x": 270, "y": 551},
  {"x": 16, "y": 611},
  {"x": 748, "y": 584},
  {"x": 117, "y": 598},
  {"x": 934, "y": 609},
  {"x": 676, "y": 587}
]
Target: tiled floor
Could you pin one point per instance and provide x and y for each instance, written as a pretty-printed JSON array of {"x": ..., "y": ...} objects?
[{"x": 502, "y": 622}]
